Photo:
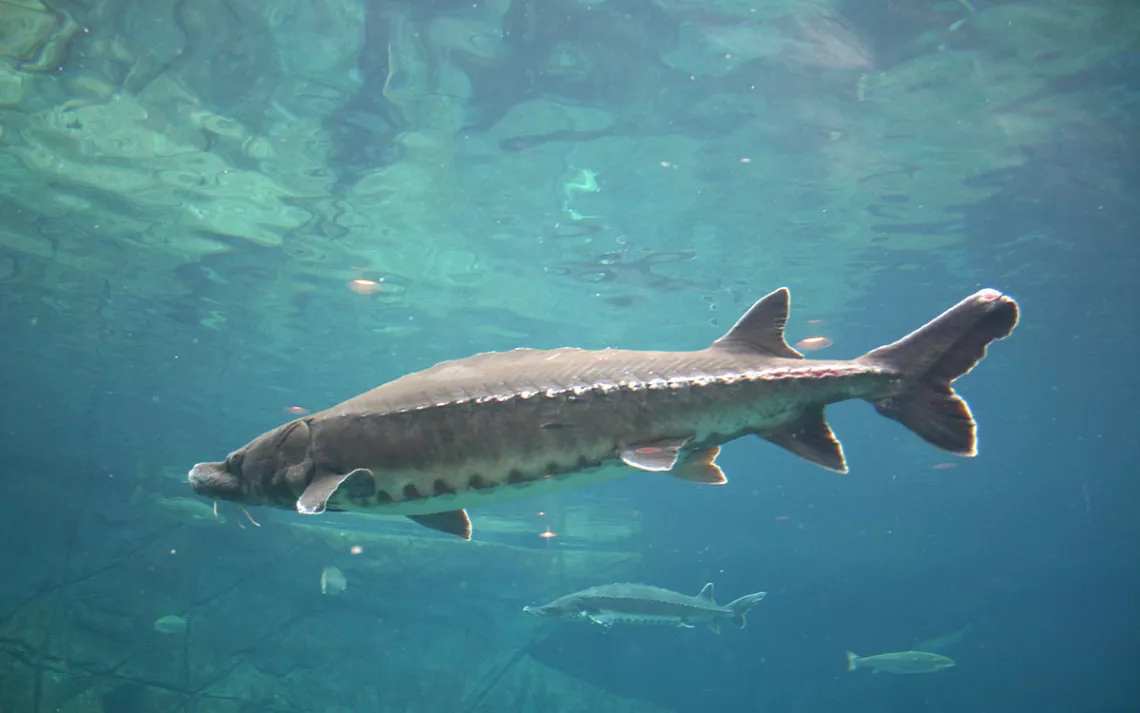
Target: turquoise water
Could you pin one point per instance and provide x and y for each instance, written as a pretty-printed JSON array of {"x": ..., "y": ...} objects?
[{"x": 220, "y": 215}]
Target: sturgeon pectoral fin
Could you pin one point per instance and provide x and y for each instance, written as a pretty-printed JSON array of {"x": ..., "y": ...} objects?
[
  {"x": 605, "y": 620},
  {"x": 658, "y": 456},
  {"x": 455, "y": 522},
  {"x": 315, "y": 499},
  {"x": 700, "y": 467},
  {"x": 811, "y": 438}
]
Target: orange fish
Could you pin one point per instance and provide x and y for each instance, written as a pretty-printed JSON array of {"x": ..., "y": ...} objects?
[
  {"x": 362, "y": 286},
  {"x": 814, "y": 344}
]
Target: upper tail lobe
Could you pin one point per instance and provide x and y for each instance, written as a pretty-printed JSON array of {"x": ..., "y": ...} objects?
[
  {"x": 743, "y": 605},
  {"x": 932, "y": 357}
]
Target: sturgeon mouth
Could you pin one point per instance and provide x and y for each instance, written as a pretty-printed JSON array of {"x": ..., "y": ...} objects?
[{"x": 212, "y": 480}]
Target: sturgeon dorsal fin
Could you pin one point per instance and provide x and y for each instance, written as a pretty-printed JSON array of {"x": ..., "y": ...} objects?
[
  {"x": 761, "y": 329},
  {"x": 315, "y": 499},
  {"x": 707, "y": 593}
]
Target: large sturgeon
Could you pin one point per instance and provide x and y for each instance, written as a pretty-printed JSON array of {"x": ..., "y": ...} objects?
[{"x": 506, "y": 424}]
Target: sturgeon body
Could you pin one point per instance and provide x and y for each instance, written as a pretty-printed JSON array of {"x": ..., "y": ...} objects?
[
  {"x": 612, "y": 604},
  {"x": 501, "y": 425}
]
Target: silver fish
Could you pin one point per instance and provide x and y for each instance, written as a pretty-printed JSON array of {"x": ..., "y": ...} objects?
[
  {"x": 642, "y": 604},
  {"x": 900, "y": 662},
  {"x": 503, "y": 425}
]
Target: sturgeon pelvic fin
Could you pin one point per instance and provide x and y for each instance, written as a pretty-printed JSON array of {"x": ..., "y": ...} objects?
[
  {"x": 761, "y": 329},
  {"x": 657, "y": 456},
  {"x": 931, "y": 358},
  {"x": 700, "y": 467},
  {"x": 666, "y": 456}
]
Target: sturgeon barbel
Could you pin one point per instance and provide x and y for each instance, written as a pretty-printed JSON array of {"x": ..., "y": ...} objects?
[
  {"x": 612, "y": 604},
  {"x": 500, "y": 425}
]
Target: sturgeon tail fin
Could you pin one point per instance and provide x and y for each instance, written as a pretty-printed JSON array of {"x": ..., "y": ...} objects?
[
  {"x": 928, "y": 361},
  {"x": 742, "y": 606}
]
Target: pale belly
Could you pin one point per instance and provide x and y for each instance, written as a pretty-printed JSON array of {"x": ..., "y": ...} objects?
[
  {"x": 651, "y": 620},
  {"x": 489, "y": 496}
]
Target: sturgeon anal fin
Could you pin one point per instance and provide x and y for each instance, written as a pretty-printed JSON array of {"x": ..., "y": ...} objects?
[
  {"x": 761, "y": 329},
  {"x": 315, "y": 499},
  {"x": 700, "y": 467},
  {"x": 707, "y": 593},
  {"x": 455, "y": 522},
  {"x": 811, "y": 438},
  {"x": 658, "y": 456},
  {"x": 714, "y": 625}
]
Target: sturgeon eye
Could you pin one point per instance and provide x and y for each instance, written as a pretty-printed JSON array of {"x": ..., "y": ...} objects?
[{"x": 233, "y": 463}]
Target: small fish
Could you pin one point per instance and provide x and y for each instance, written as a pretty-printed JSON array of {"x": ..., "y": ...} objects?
[
  {"x": 333, "y": 581},
  {"x": 901, "y": 662},
  {"x": 814, "y": 344},
  {"x": 505, "y": 425},
  {"x": 170, "y": 624},
  {"x": 642, "y": 604}
]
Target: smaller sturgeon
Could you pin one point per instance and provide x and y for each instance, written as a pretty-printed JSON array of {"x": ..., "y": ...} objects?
[{"x": 644, "y": 604}]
